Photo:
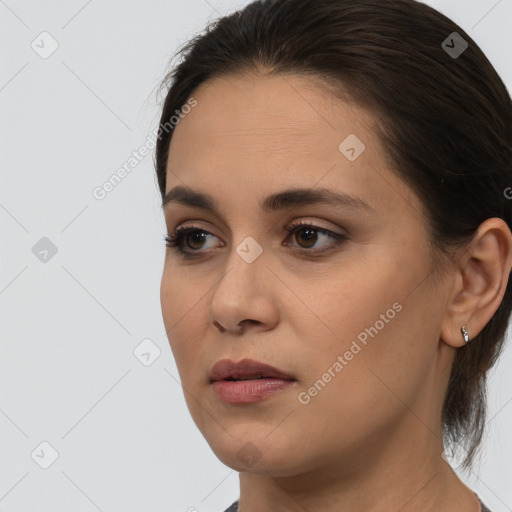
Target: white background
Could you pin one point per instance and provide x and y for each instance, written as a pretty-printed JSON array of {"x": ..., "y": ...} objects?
[{"x": 68, "y": 375}]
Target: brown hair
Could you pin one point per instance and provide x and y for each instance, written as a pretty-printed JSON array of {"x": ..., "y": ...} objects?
[{"x": 445, "y": 120}]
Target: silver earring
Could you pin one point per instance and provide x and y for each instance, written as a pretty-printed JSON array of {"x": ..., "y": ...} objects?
[{"x": 464, "y": 334}]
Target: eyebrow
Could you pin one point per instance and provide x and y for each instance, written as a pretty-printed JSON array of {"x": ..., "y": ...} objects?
[{"x": 279, "y": 201}]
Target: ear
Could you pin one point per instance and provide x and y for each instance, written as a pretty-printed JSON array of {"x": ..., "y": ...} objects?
[{"x": 482, "y": 274}]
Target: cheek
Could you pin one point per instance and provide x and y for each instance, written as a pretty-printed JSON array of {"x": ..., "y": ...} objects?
[
  {"x": 356, "y": 305},
  {"x": 181, "y": 307},
  {"x": 375, "y": 324}
]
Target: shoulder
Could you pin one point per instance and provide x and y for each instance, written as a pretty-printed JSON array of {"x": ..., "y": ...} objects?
[
  {"x": 234, "y": 508},
  {"x": 484, "y": 508}
]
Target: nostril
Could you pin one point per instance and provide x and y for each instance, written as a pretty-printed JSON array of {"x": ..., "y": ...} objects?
[{"x": 219, "y": 326}]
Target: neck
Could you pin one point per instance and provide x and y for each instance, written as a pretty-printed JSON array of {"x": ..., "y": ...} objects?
[{"x": 406, "y": 474}]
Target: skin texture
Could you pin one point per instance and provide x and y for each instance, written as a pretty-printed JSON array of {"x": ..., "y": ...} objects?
[{"x": 370, "y": 440}]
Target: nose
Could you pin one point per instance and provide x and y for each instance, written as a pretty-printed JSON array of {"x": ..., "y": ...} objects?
[
  {"x": 239, "y": 327},
  {"x": 245, "y": 298}
]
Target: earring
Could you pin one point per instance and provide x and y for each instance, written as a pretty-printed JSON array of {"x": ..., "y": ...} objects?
[{"x": 464, "y": 334}]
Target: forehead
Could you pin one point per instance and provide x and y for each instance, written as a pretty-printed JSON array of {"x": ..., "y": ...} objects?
[
  {"x": 251, "y": 113},
  {"x": 258, "y": 132}
]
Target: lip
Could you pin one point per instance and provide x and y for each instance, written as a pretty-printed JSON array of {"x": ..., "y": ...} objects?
[
  {"x": 250, "y": 389},
  {"x": 228, "y": 369}
]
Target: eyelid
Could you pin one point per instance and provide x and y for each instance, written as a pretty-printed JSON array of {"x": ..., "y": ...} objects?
[
  {"x": 317, "y": 223},
  {"x": 182, "y": 231},
  {"x": 314, "y": 223}
]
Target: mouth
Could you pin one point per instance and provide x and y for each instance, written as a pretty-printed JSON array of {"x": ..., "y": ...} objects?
[
  {"x": 259, "y": 377},
  {"x": 248, "y": 381},
  {"x": 247, "y": 369}
]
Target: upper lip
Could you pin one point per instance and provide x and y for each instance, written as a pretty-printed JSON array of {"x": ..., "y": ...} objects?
[{"x": 226, "y": 368}]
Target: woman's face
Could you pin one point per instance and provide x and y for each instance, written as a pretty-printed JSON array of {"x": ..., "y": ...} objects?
[{"x": 354, "y": 320}]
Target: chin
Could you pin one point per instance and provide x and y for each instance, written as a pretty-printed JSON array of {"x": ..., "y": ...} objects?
[{"x": 251, "y": 454}]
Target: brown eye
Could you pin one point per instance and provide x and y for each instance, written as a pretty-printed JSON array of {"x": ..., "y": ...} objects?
[
  {"x": 195, "y": 239},
  {"x": 306, "y": 237},
  {"x": 188, "y": 236},
  {"x": 188, "y": 241}
]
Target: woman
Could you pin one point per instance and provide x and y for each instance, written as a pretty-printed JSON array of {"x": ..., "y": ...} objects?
[{"x": 335, "y": 177}]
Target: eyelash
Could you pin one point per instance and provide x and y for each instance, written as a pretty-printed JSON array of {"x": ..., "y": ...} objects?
[{"x": 175, "y": 242}]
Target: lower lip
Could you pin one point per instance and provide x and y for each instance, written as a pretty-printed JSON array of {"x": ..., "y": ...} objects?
[{"x": 248, "y": 391}]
